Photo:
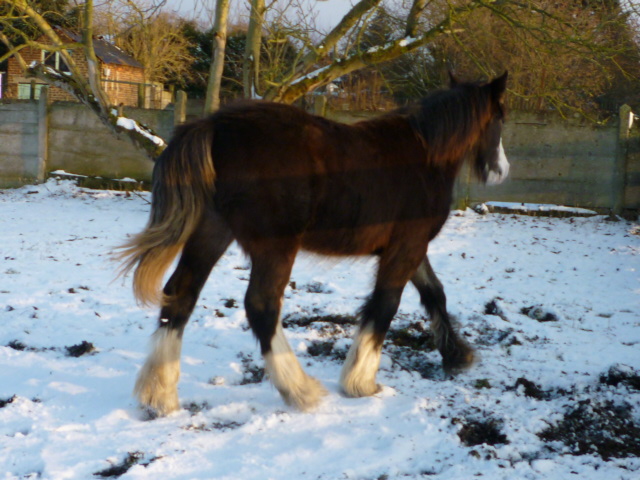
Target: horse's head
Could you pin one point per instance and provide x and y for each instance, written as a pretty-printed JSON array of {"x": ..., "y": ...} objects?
[{"x": 489, "y": 160}]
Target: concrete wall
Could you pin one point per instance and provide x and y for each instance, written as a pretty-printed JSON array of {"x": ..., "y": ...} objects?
[
  {"x": 554, "y": 160},
  {"x": 558, "y": 161},
  {"x": 80, "y": 144},
  {"x": 37, "y": 138},
  {"x": 19, "y": 143},
  {"x": 632, "y": 170}
]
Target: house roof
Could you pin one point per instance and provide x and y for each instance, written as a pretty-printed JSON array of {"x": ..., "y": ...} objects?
[{"x": 106, "y": 51}]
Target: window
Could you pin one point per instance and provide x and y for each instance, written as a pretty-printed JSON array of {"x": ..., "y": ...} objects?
[
  {"x": 54, "y": 60},
  {"x": 24, "y": 90}
]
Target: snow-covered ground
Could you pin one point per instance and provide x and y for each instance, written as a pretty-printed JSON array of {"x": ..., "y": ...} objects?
[{"x": 551, "y": 305}]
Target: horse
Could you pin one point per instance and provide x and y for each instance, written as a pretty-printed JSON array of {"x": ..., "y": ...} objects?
[{"x": 278, "y": 180}]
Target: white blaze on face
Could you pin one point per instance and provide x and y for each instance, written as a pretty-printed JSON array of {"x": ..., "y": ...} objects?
[{"x": 495, "y": 178}]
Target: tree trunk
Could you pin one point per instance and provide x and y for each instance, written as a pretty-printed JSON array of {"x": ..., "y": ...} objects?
[
  {"x": 212, "y": 101},
  {"x": 94, "y": 73},
  {"x": 251, "y": 67}
]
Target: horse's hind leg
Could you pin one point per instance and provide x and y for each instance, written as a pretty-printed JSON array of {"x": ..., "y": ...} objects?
[
  {"x": 456, "y": 354},
  {"x": 270, "y": 273},
  {"x": 358, "y": 377},
  {"x": 157, "y": 383}
]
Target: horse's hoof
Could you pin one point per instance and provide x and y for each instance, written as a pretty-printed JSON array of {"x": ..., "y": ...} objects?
[
  {"x": 155, "y": 395},
  {"x": 461, "y": 360},
  {"x": 306, "y": 396},
  {"x": 363, "y": 390},
  {"x": 158, "y": 405}
]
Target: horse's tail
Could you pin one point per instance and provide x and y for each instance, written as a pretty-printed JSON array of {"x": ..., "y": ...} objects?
[{"x": 183, "y": 184}]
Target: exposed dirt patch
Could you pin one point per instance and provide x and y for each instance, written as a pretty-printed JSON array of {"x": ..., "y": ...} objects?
[
  {"x": 119, "y": 469},
  {"x": 415, "y": 336},
  {"x": 320, "y": 348},
  {"x": 17, "y": 345},
  {"x": 6, "y": 401},
  {"x": 305, "y": 321},
  {"x": 251, "y": 373},
  {"x": 487, "y": 334},
  {"x": 531, "y": 389},
  {"x": 210, "y": 427},
  {"x": 317, "y": 287},
  {"x": 80, "y": 349},
  {"x": 21, "y": 347},
  {"x": 621, "y": 375},
  {"x": 493, "y": 307},
  {"x": 230, "y": 303},
  {"x": 597, "y": 427},
  {"x": 481, "y": 432},
  {"x": 539, "y": 313}
]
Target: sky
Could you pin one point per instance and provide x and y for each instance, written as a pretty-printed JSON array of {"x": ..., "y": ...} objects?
[{"x": 329, "y": 11}]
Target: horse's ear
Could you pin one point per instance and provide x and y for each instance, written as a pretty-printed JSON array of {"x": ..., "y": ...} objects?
[
  {"x": 499, "y": 86},
  {"x": 453, "y": 81}
]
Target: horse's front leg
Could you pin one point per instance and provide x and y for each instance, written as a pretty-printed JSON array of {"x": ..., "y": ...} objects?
[
  {"x": 358, "y": 377},
  {"x": 270, "y": 271},
  {"x": 456, "y": 354},
  {"x": 157, "y": 383}
]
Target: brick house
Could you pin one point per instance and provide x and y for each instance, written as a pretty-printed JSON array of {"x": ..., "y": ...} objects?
[{"x": 122, "y": 76}]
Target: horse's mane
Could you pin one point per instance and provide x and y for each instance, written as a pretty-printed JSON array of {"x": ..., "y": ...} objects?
[{"x": 446, "y": 117}]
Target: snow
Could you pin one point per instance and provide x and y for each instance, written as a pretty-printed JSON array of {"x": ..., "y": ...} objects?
[
  {"x": 310, "y": 75},
  {"x": 130, "y": 124},
  {"x": 64, "y": 417},
  {"x": 540, "y": 208}
]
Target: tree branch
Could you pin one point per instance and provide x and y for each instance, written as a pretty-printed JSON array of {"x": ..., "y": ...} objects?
[
  {"x": 122, "y": 127},
  {"x": 417, "y": 8},
  {"x": 89, "y": 92},
  {"x": 375, "y": 55}
]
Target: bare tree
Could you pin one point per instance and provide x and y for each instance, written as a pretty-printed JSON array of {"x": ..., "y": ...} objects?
[
  {"x": 212, "y": 101},
  {"x": 252, "y": 51},
  {"x": 320, "y": 60},
  {"x": 538, "y": 25},
  {"x": 150, "y": 35}
]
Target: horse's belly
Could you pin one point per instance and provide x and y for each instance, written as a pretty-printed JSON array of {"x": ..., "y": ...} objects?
[{"x": 361, "y": 240}]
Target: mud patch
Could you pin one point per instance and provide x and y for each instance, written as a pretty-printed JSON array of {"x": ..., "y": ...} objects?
[
  {"x": 481, "y": 432},
  {"x": 621, "y": 375},
  {"x": 539, "y": 313},
  {"x": 222, "y": 426},
  {"x": 320, "y": 348},
  {"x": 305, "y": 321},
  {"x": 415, "y": 336},
  {"x": 531, "y": 389},
  {"x": 594, "y": 427},
  {"x": 80, "y": 349},
  {"x": 6, "y": 401},
  {"x": 251, "y": 373},
  {"x": 119, "y": 469}
]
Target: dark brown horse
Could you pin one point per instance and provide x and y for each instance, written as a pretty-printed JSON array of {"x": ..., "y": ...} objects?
[{"x": 278, "y": 180}]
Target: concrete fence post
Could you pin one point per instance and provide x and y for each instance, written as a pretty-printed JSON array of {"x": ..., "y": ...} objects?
[
  {"x": 620, "y": 165},
  {"x": 462, "y": 186},
  {"x": 43, "y": 135},
  {"x": 142, "y": 95},
  {"x": 180, "y": 108},
  {"x": 320, "y": 105}
]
